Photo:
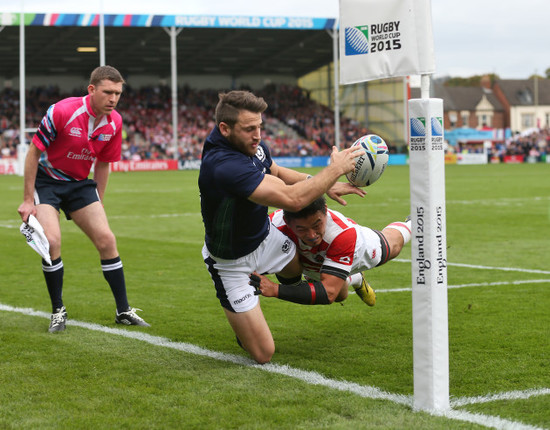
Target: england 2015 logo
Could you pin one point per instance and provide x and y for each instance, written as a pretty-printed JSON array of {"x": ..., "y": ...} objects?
[{"x": 371, "y": 38}]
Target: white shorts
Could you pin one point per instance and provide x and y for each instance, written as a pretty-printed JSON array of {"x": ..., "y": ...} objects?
[{"x": 231, "y": 276}]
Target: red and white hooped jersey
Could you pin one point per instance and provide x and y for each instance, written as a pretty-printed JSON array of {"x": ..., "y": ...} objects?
[
  {"x": 70, "y": 143},
  {"x": 346, "y": 248}
]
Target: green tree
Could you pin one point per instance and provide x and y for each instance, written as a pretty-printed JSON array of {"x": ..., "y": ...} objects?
[{"x": 472, "y": 81}]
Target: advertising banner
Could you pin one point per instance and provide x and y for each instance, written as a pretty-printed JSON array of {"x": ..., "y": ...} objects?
[
  {"x": 385, "y": 38},
  {"x": 145, "y": 165},
  {"x": 9, "y": 166},
  {"x": 471, "y": 158}
]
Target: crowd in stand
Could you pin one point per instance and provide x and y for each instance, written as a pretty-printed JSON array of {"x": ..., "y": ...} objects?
[
  {"x": 532, "y": 145},
  {"x": 295, "y": 125},
  {"x": 536, "y": 144}
]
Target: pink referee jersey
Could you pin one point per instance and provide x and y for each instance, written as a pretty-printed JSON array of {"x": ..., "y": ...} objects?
[
  {"x": 70, "y": 143},
  {"x": 346, "y": 248}
]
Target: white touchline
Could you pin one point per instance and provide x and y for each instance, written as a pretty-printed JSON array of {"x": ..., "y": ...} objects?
[
  {"x": 474, "y": 266},
  {"x": 478, "y": 284},
  {"x": 510, "y": 395},
  {"x": 309, "y": 377}
]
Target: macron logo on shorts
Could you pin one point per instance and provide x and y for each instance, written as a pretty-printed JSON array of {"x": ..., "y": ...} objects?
[{"x": 242, "y": 299}]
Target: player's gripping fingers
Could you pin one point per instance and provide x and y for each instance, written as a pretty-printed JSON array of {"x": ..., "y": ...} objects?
[
  {"x": 255, "y": 282},
  {"x": 346, "y": 158}
]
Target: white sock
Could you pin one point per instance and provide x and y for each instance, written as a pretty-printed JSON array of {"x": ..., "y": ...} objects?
[
  {"x": 355, "y": 280},
  {"x": 404, "y": 228}
]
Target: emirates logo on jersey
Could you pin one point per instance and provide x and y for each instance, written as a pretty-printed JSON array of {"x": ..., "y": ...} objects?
[{"x": 373, "y": 254}]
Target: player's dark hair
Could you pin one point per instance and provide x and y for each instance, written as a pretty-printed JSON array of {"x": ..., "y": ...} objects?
[
  {"x": 317, "y": 205},
  {"x": 231, "y": 103},
  {"x": 105, "y": 72}
]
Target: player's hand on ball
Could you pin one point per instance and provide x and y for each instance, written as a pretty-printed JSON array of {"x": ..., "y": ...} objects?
[{"x": 345, "y": 159}]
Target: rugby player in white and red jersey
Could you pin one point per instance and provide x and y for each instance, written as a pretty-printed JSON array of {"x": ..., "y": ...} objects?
[
  {"x": 334, "y": 251},
  {"x": 76, "y": 133}
]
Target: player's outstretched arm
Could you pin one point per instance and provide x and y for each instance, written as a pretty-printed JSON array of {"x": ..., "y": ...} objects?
[
  {"x": 273, "y": 191},
  {"x": 326, "y": 292}
]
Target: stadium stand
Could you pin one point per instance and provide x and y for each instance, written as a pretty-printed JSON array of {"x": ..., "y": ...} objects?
[{"x": 295, "y": 125}]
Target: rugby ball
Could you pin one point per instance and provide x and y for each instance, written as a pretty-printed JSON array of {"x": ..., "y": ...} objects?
[{"x": 369, "y": 166}]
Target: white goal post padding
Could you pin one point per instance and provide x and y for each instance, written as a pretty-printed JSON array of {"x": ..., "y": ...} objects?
[{"x": 429, "y": 255}]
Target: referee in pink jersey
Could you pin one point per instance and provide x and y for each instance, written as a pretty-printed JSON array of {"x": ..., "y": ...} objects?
[{"x": 75, "y": 134}]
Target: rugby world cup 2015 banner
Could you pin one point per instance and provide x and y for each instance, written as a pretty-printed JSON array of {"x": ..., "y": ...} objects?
[
  {"x": 385, "y": 38},
  {"x": 189, "y": 21}
]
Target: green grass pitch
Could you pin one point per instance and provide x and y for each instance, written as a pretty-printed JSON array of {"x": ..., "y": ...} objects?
[{"x": 498, "y": 237}]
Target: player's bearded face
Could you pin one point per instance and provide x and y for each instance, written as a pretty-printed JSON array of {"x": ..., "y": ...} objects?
[
  {"x": 245, "y": 135},
  {"x": 310, "y": 230}
]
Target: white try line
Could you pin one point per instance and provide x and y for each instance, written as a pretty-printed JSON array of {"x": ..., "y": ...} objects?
[
  {"x": 478, "y": 284},
  {"x": 308, "y": 377},
  {"x": 510, "y": 395},
  {"x": 473, "y": 266}
]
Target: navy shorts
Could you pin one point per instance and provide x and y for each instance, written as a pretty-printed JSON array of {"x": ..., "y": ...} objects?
[{"x": 66, "y": 195}]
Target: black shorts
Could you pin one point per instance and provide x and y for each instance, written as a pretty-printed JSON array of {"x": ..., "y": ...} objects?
[{"x": 66, "y": 195}]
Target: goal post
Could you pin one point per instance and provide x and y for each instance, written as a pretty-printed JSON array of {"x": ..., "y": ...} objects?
[
  {"x": 390, "y": 38},
  {"x": 428, "y": 254}
]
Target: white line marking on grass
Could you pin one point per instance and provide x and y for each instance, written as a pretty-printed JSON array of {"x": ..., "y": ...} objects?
[
  {"x": 479, "y": 284},
  {"x": 510, "y": 395},
  {"x": 473, "y": 266},
  {"x": 500, "y": 201},
  {"x": 308, "y": 377},
  {"x": 185, "y": 214},
  {"x": 9, "y": 225},
  {"x": 485, "y": 420},
  {"x": 16, "y": 223}
]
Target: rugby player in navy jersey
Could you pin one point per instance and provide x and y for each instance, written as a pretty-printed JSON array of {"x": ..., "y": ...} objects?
[{"x": 238, "y": 180}]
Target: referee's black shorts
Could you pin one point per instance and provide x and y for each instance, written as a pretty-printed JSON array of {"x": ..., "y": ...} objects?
[{"x": 66, "y": 195}]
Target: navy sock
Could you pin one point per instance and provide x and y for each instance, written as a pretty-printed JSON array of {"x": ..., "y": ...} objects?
[
  {"x": 114, "y": 274},
  {"x": 54, "y": 281}
]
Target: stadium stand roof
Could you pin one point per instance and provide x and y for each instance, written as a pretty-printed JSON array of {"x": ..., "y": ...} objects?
[{"x": 218, "y": 37}]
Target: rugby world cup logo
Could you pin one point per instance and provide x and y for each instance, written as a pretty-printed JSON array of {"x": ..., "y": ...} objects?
[
  {"x": 418, "y": 127},
  {"x": 437, "y": 126},
  {"x": 357, "y": 40}
]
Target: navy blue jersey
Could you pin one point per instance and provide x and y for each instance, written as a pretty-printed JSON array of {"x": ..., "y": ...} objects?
[{"x": 234, "y": 226}]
